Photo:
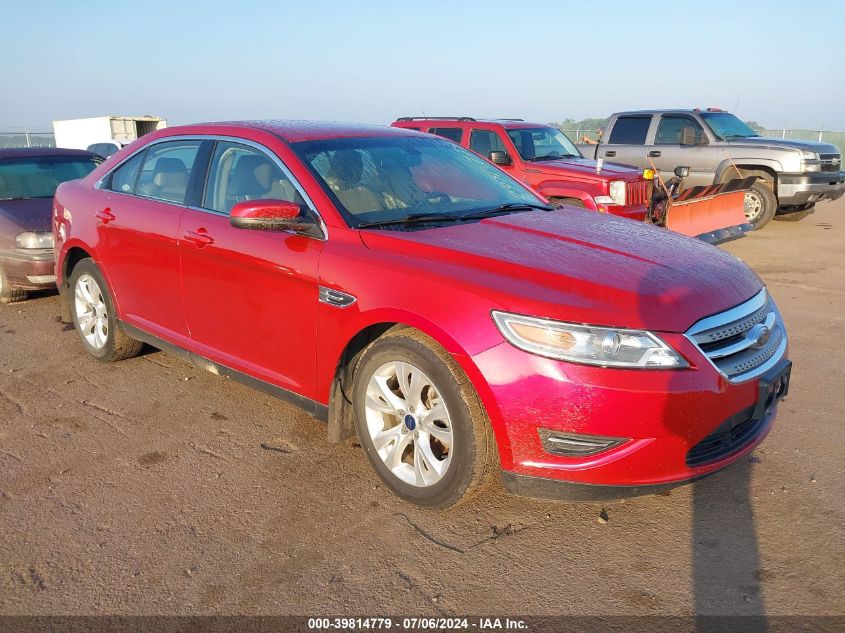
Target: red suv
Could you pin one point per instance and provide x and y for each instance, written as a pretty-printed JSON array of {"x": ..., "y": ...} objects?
[
  {"x": 544, "y": 158},
  {"x": 400, "y": 287}
]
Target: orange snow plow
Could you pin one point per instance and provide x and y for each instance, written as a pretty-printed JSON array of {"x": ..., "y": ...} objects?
[{"x": 713, "y": 213}]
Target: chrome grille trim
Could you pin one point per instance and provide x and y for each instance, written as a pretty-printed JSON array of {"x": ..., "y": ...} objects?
[{"x": 729, "y": 342}]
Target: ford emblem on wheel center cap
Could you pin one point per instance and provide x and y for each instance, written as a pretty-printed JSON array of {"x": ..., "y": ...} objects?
[{"x": 410, "y": 422}]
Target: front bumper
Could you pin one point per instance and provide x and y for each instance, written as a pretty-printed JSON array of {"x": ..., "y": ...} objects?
[
  {"x": 662, "y": 415},
  {"x": 637, "y": 212},
  {"x": 810, "y": 187},
  {"x": 29, "y": 270}
]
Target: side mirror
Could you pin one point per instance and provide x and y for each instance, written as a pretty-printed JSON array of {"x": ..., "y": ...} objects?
[
  {"x": 500, "y": 158},
  {"x": 269, "y": 215},
  {"x": 682, "y": 172}
]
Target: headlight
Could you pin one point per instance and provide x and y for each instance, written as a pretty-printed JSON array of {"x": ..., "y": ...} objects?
[
  {"x": 810, "y": 161},
  {"x": 34, "y": 240},
  {"x": 606, "y": 347},
  {"x": 617, "y": 192}
]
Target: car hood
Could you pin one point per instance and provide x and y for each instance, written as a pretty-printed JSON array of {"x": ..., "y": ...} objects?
[
  {"x": 585, "y": 168},
  {"x": 579, "y": 266},
  {"x": 787, "y": 143},
  {"x": 29, "y": 215}
]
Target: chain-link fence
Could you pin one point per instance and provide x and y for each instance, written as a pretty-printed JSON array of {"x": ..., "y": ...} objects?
[
  {"x": 27, "y": 139},
  {"x": 822, "y": 136}
]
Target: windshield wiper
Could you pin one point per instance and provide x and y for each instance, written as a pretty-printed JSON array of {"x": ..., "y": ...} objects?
[
  {"x": 506, "y": 208},
  {"x": 549, "y": 157},
  {"x": 414, "y": 218},
  {"x": 18, "y": 198}
]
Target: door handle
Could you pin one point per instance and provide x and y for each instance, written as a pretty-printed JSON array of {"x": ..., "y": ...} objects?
[
  {"x": 610, "y": 154},
  {"x": 654, "y": 153},
  {"x": 200, "y": 238},
  {"x": 105, "y": 215}
]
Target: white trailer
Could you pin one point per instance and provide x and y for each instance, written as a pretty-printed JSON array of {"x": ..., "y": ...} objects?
[{"x": 81, "y": 133}]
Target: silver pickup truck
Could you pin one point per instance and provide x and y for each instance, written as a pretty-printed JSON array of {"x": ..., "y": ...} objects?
[{"x": 792, "y": 176}]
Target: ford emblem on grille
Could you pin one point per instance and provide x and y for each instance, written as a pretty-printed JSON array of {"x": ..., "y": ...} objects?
[{"x": 760, "y": 335}]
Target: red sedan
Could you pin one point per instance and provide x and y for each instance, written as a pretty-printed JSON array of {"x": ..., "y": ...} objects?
[{"x": 406, "y": 290}]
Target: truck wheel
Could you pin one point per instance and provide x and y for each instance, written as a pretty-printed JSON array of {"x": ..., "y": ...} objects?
[
  {"x": 95, "y": 318},
  {"x": 8, "y": 294},
  {"x": 420, "y": 421},
  {"x": 794, "y": 216},
  {"x": 760, "y": 204}
]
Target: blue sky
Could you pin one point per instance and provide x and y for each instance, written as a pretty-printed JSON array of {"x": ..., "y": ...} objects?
[{"x": 775, "y": 62}]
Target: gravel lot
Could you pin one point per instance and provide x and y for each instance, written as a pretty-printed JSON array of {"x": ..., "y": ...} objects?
[{"x": 142, "y": 487}]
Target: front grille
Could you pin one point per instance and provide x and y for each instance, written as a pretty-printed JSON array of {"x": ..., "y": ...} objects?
[
  {"x": 637, "y": 193},
  {"x": 742, "y": 342},
  {"x": 732, "y": 435},
  {"x": 831, "y": 162}
]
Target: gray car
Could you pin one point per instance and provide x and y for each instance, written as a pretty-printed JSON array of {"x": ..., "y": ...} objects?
[{"x": 792, "y": 176}]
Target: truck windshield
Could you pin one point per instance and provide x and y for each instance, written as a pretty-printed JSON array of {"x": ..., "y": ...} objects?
[
  {"x": 402, "y": 181},
  {"x": 38, "y": 177},
  {"x": 726, "y": 126},
  {"x": 542, "y": 143}
]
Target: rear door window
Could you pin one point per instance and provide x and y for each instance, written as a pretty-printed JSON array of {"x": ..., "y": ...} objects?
[
  {"x": 452, "y": 133},
  {"x": 124, "y": 177},
  {"x": 166, "y": 170},
  {"x": 630, "y": 130}
]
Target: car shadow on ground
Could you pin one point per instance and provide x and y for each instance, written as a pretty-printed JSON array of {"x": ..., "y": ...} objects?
[{"x": 726, "y": 565}]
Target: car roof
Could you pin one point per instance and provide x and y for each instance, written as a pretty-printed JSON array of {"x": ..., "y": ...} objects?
[
  {"x": 294, "y": 131},
  {"x": 669, "y": 111},
  {"x": 24, "y": 152},
  {"x": 465, "y": 121}
]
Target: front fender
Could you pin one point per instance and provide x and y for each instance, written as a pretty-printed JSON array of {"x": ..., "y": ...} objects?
[{"x": 727, "y": 165}]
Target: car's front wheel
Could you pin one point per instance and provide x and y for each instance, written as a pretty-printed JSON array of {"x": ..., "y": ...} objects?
[
  {"x": 420, "y": 422},
  {"x": 95, "y": 318}
]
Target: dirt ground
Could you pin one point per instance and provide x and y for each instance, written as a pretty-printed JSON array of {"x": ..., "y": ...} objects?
[{"x": 142, "y": 488}]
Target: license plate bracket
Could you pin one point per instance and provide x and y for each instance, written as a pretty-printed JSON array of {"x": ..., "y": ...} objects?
[{"x": 773, "y": 387}]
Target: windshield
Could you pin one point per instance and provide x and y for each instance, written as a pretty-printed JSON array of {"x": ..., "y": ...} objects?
[
  {"x": 38, "y": 177},
  {"x": 726, "y": 125},
  {"x": 375, "y": 180},
  {"x": 542, "y": 143}
]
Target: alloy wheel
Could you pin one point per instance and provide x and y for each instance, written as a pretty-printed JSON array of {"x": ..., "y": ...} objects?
[
  {"x": 91, "y": 313},
  {"x": 409, "y": 424}
]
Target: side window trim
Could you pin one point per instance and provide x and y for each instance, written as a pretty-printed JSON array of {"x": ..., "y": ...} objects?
[{"x": 103, "y": 183}]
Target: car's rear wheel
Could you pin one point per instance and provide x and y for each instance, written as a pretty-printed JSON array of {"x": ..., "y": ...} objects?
[
  {"x": 8, "y": 294},
  {"x": 95, "y": 318},
  {"x": 420, "y": 422}
]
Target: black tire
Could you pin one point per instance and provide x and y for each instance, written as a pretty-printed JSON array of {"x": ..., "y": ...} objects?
[
  {"x": 473, "y": 456},
  {"x": 9, "y": 294},
  {"x": 118, "y": 345},
  {"x": 763, "y": 194},
  {"x": 795, "y": 216}
]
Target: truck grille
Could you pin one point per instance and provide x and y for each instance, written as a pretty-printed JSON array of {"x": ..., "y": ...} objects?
[
  {"x": 831, "y": 162},
  {"x": 742, "y": 342},
  {"x": 638, "y": 193}
]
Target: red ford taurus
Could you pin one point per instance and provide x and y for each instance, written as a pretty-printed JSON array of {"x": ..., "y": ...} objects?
[{"x": 405, "y": 290}]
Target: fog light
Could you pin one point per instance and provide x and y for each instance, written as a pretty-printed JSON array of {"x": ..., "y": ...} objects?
[{"x": 575, "y": 444}]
